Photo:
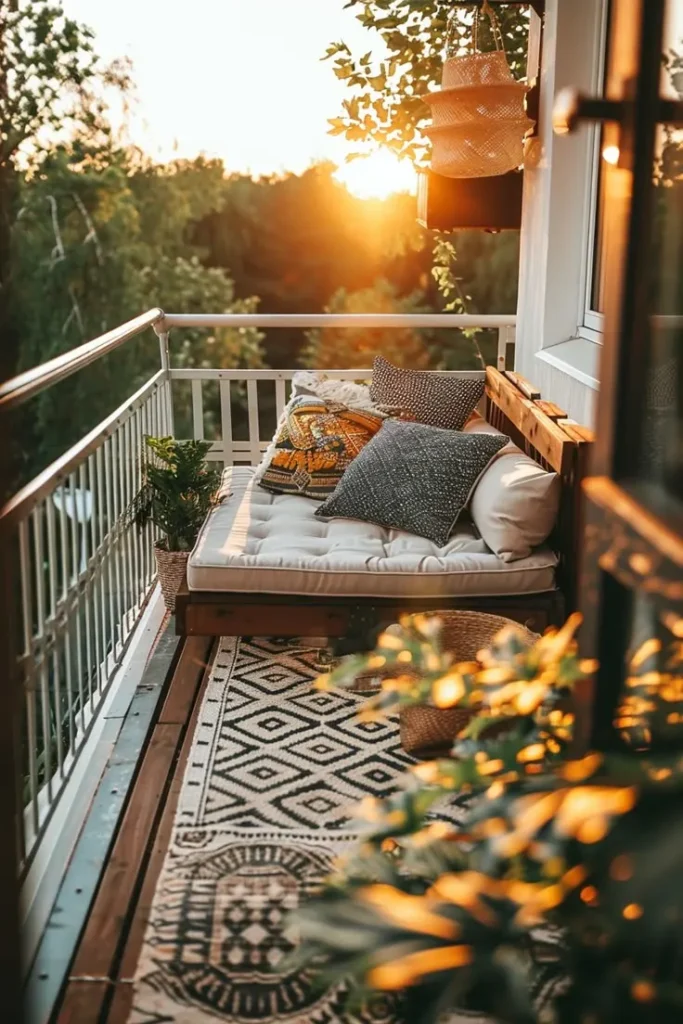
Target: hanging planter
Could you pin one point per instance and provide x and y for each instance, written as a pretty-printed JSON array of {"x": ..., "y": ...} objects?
[{"x": 479, "y": 115}]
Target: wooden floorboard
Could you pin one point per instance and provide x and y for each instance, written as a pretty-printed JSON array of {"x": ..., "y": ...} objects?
[
  {"x": 84, "y": 1002},
  {"x": 114, "y": 927},
  {"x": 181, "y": 696},
  {"x": 121, "y": 1004},
  {"x": 143, "y": 907},
  {"x": 107, "y": 920}
]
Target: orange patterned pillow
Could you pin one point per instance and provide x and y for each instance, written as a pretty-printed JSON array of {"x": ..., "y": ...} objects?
[{"x": 315, "y": 443}]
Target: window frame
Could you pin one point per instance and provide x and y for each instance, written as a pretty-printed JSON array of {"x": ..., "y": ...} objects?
[{"x": 591, "y": 321}]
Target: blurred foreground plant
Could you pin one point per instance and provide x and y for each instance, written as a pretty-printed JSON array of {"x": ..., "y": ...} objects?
[{"x": 591, "y": 846}]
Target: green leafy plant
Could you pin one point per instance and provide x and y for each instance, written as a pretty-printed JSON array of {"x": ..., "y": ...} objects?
[
  {"x": 178, "y": 491},
  {"x": 592, "y": 847}
]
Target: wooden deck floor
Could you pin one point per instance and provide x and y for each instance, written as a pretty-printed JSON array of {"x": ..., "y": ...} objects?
[{"x": 100, "y": 984}]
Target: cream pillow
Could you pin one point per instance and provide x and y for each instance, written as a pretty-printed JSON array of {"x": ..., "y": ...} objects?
[{"x": 515, "y": 503}]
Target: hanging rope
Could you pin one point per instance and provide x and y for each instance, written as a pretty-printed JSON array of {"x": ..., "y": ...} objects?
[{"x": 489, "y": 12}]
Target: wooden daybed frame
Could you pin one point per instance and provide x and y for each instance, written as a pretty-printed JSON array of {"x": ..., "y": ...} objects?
[{"x": 541, "y": 429}]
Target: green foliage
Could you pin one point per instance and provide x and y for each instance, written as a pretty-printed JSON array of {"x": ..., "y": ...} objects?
[
  {"x": 178, "y": 491},
  {"x": 340, "y": 347},
  {"x": 592, "y": 846},
  {"x": 52, "y": 86},
  {"x": 385, "y": 107},
  {"x": 53, "y": 82},
  {"x": 101, "y": 235}
]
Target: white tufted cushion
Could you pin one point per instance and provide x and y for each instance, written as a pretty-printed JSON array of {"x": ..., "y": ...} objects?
[{"x": 257, "y": 542}]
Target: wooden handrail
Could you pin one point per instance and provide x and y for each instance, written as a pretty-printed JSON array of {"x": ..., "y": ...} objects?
[{"x": 24, "y": 386}]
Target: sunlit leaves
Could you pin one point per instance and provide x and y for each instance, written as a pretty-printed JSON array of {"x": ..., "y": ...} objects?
[
  {"x": 53, "y": 81},
  {"x": 412, "y": 33}
]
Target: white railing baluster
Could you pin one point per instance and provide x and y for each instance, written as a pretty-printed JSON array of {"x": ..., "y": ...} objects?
[
  {"x": 84, "y": 602},
  {"x": 111, "y": 572},
  {"x": 280, "y": 398},
  {"x": 197, "y": 411},
  {"x": 63, "y": 597},
  {"x": 41, "y": 653},
  {"x": 146, "y": 537},
  {"x": 119, "y": 510},
  {"x": 132, "y": 490},
  {"x": 226, "y": 421},
  {"x": 101, "y": 574},
  {"x": 29, "y": 671},
  {"x": 92, "y": 628},
  {"x": 95, "y": 578},
  {"x": 252, "y": 410},
  {"x": 127, "y": 501},
  {"x": 137, "y": 483},
  {"x": 59, "y": 640},
  {"x": 506, "y": 336},
  {"x": 76, "y": 599}
]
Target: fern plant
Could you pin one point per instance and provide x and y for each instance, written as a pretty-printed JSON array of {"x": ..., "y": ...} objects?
[{"x": 178, "y": 490}]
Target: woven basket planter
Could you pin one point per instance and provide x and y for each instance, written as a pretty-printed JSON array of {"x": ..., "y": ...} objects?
[
  {"x": 427, "y": 731},
  {"x": 171, "y": 568}
]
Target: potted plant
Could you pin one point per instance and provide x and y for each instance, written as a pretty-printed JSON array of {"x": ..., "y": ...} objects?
[{"x": 178, "y": 491}]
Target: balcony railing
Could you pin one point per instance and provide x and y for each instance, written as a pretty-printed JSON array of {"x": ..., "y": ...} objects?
[{"x": 83, "y": 574}]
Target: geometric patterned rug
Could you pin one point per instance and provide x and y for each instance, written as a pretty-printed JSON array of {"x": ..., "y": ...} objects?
[{"x": 267, "y": 803}]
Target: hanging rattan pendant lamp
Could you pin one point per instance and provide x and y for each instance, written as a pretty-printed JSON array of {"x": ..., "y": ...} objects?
[{"x": 479, "y": 119}]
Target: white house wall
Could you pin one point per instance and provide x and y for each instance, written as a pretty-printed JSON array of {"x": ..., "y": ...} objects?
[{"x": 553, "y": 349}]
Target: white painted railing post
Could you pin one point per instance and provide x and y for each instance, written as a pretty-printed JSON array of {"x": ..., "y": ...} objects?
[
  {"x": 506, "y": 336},
  {"x": 166, "y": 388}
]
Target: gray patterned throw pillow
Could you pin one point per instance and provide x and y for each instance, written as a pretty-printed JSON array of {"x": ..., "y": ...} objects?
[
  {"x": 428, "y": 397},
  {"x": 413, "y": 477}
]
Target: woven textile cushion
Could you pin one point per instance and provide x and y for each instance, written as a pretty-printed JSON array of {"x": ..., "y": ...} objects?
[
  {"x": 439, "y": 400},
  {"x": 315, "y": 443},
  {"x": 413, "y": 477},
  {"x": 515, "y": 503}
]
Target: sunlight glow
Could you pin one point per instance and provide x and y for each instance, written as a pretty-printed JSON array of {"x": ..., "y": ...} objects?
[
  {"x": 378, "y": 175},
  {"x": 610, "y": 155}
]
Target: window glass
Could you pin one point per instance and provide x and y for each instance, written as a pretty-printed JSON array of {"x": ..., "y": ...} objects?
[
  {"x": 604, "y": 152},
  {"x": 661, "y": 456}
]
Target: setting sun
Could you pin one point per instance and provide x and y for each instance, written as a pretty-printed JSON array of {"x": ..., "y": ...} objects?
[{"x": 378, "y": 175}]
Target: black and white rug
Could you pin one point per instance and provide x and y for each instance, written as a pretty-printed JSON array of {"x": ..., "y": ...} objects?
[
  {"x": 275, "y": 773},
  {"x": 267, "y": 803}
]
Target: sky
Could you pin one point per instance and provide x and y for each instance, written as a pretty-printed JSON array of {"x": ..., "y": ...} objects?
[{"x": 237, "y": 79}]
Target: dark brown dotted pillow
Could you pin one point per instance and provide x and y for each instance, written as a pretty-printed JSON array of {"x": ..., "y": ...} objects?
[{"x": 427, "y": 397}]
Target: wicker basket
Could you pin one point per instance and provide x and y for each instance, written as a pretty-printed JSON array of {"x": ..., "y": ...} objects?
[
  {"x": 476, "y": 69},
  {"x": 428, "y": 731},
  {"x": 171, "y": 568},
  {"x": 468, "y": 106},
  {"x": 479, "y": 116},
  {"x": 477, "y": 151}
]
